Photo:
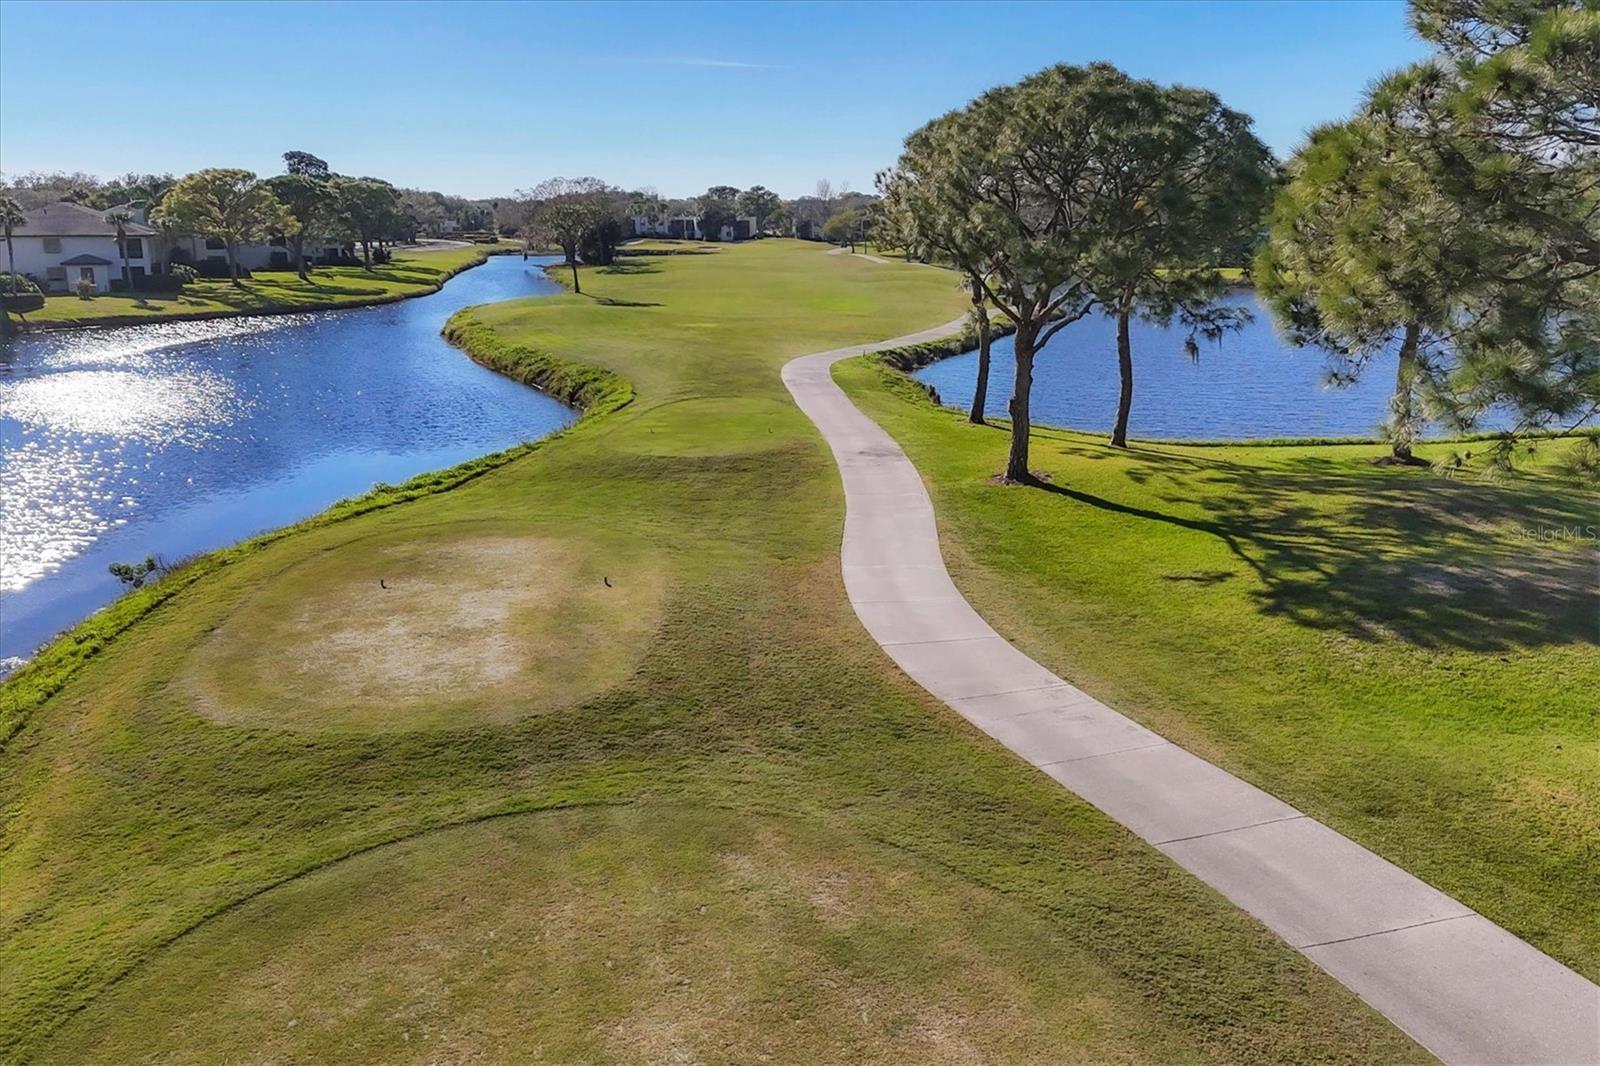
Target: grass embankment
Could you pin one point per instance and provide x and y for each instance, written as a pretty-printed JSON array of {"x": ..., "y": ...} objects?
[
  {"x": 409, "y": 273},
  {"x": 1410, "y": 658},
  {"x": 278, "y": 815}
]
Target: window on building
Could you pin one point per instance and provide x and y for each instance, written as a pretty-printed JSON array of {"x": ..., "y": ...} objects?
[
  {"x": 133, "y": 248},
  {"x": 86, "y": 274},
  {"x": 136, "y": 274},
  {"x": 56, "y": 274},
  {"x": 52, "y": 245},
  {"x": 215, "y": 244}
]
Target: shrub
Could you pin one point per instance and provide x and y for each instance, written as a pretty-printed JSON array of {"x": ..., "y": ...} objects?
[
  {"x": 134, "y": 575},
  {"x": 20, "y": 293},
  {"x": 218, "y": 268},
  {"x": 598, "y": 246},
  {"x": 380, "y": 255},
  {"x": 176, "y": 277},
  {"x": 85, "y": 289}
]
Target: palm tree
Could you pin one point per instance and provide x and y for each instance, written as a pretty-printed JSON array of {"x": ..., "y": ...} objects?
[
  {"x": 120, "y": 219},
  {"x": 11, "y": 217}
]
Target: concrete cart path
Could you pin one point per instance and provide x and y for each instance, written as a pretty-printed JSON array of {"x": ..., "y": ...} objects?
[{"x": 1464, "y": 988}]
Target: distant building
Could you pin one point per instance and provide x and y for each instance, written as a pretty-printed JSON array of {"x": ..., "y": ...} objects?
[
  {"x": 808, "y": 230},
  {"x": 61, "y": 244},
  {"x": 687, "y": 228},
  {"x": 273, "y": 254}
]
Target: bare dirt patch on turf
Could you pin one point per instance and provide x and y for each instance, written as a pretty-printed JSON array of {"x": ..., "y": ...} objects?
[{"x": 446, "y": 633}]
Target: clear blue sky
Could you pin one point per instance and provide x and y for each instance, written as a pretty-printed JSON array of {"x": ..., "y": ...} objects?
[{"x": 482, "y": 98}]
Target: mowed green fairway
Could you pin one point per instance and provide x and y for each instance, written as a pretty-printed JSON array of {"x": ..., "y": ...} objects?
[
  {"x": 513, "y": 818},
  {"x": 410, "y": 273},
  {"x": 1413, "y": 659}
]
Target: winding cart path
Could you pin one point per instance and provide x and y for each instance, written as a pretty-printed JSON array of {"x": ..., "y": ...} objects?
[{"x": 1460, "y": 985}]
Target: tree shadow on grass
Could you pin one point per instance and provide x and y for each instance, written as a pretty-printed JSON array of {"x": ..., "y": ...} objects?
[
  {"x": 630, "y": 266},
  {"x": 647, "y": 253},
  {"x": 317, "y": 290},
  {"x": 1386, "y": 554},
  {"x": 401, "y": 275},
  {"x": 612, "y": 301}
]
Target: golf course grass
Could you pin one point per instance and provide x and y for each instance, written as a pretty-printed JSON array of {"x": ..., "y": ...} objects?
[
  {"x": 1412, "y": 659},
  {"x": 409, "y": 273},
  {"x": 514, "y": 818}
]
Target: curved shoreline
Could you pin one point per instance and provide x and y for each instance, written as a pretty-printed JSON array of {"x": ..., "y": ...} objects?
[
  {"x": 592, "y": 391},
  {"x": 1458, "y": 984}
]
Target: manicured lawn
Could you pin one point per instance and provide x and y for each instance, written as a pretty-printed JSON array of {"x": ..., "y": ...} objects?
[
  {"x": 410, "y": 273},
  {"x": 731, "y": 827},
  {"x": 1413, "y": 659}
]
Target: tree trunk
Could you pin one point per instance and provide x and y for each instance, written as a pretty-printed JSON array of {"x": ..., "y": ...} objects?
[
  {"x": 1119, "y": 435},
  {"x": 573, "y": 263},
  {"x": 233, "y": 264},
  {"x": 366, "y": 253},
  {"x": 1405, "y": 377},
  {"x": 980, "y": 392},
  {"x": 1017, "y": 460},
  {"x": 300, "y": 257},
  {"x": 11, "y": 256}
]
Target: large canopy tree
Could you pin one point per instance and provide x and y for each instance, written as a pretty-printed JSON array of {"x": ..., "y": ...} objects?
[
  {"x": 312, "y": 203},
  {"x": 1479, "y": 176},
  {"x": 226, "y": 204},
  {"x": 562, "y": 212},
  {"x": 648, "y": 206},
  {"x": 368, "y": 209},
  {"x": 1520, "y": 151},
  {"x": 717, "y": 207},
  {"x": 921, "y": 221},
  {"x": 306, "y": 165},
  {"x": 843, "y": 227},
  {"x": 760, "y": 203},
  {"x": 1177, "y": 179},
  {"x": 994, "y": 178},
  {"x": 1365, "y": 257},
  {"x": 1079, "y": 185}
]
